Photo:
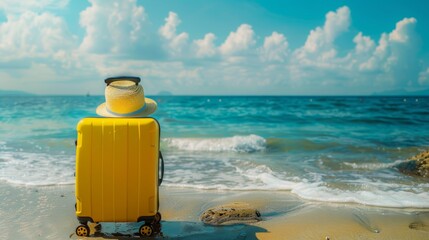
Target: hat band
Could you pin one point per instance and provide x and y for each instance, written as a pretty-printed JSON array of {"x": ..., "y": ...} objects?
[{"x": 128, "y": 114}]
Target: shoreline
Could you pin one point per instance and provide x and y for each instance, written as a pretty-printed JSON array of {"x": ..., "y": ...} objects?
[{"x": 35, "y": 212}]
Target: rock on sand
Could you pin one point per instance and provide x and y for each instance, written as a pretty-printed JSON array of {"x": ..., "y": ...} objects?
[
  {"x": 234, "y": 213},
  {"x": 417, "y": 166}
]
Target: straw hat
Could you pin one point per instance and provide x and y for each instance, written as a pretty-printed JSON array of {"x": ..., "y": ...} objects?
[{"x": 125, "y": 98}]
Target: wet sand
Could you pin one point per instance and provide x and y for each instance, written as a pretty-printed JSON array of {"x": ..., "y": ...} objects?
[{"x": 48, "y": 213}]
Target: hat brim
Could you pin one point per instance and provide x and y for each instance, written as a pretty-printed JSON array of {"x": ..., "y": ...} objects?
[{"x": 151, "y": 107}]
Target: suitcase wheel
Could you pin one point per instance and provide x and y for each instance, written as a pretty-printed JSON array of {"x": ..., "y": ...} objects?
[
  {"x": 82, "y": 231},
  {"x": 146, "y": 230}
]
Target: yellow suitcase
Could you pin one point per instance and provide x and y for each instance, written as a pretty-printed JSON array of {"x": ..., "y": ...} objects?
[{"x": 119, "y": 168}]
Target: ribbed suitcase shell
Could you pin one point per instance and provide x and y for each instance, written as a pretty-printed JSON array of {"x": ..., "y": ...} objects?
[{"x": 117, "y": 167}]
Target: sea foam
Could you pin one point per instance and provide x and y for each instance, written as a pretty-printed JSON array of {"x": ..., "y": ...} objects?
[
  {"x": 242, "y": 144},
  {"x": 373, "y": 166},
  {"x": 36, "y": 169},
  {"x": 199, "y": 170},
  {"x": 397, "y": 198}
]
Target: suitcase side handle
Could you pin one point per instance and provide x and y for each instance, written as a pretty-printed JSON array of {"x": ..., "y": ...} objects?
[
  {"x": 162, "y": 168},
  {"x": 136, "y": 80}
]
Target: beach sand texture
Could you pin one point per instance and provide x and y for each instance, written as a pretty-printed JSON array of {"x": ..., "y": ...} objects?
[{"x": 48, "y": 213}]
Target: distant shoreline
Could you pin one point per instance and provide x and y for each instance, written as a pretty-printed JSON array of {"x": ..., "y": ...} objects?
[{"x": 15, "y": 93}]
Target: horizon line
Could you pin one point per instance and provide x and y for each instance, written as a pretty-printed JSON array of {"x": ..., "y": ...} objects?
[{"x": 220, "y": 95}]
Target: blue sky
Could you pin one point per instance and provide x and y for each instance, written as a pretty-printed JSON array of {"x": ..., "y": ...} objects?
[{"x": 220, "y": 47}]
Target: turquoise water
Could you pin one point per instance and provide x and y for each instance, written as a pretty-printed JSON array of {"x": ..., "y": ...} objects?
[{"x": 336, "y": 149}]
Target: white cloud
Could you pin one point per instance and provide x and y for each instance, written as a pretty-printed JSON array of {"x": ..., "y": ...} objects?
[
  {"x": 364, "y": 44},
  {"x": 391, "y": 47},
  {"x": 392, "y": 63},
  {"x": 112, "y": 26},
  {"x": 404, "y": 29},
  {"x": 238, "y": 41},
  {"x": 319, "y": 51},
  {"x": 175, "y": 42},
  {"x": 275, "y": 48},
  {"x": 205, "y": 47},
  {"x": 395, "y": 57},
  {"x": 323, "y": 37},
  {"x": 14, "y": 6},
  {"x": 32, "y": 35},
  {"x": 37, "y": 51},
  {"x": 315, "y": 67},
  {"x": 336, "y": 23},
  {"x": 118, "y": 32},
  {"x": 168, "y": 31}
]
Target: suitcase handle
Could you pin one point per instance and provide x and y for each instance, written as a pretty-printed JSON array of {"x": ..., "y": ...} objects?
[
  {"x": 136, "y": 80},
  {"x": 162, "y": 168}
]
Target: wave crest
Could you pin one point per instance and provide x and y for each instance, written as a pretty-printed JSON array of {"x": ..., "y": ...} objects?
[
  {"x": 36, "y": 169},
  {"x": 241, "y": 144},
  {"x": 373, "y": 166}
]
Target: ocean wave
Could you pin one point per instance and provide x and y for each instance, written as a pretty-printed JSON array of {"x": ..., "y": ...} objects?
[
  {"x": 3, "y": 146},
  {"x": 373, "y": 166},
  {"x": 36, "y": 169},
  {"x": 223, "y": 174},
  {"x": 209, "y": 172},
  {"x": 196, "y": 172},
  {"x": 398, "y": 197},
  {"x": 241, "y": 144},
  {"x": 260, "y": 182}
]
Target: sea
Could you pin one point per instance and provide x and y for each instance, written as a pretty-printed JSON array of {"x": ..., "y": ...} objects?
[{"x": 327, "y": 149}]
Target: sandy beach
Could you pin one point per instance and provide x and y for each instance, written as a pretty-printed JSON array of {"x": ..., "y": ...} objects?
[{"x": 48, "y": 213}]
